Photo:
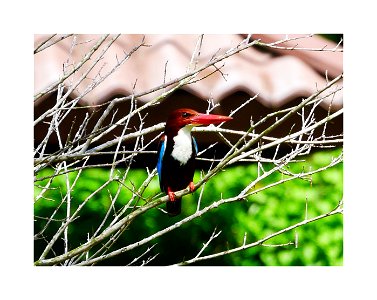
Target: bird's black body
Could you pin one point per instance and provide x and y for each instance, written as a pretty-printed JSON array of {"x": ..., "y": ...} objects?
[{"x": 174, "y": 175}]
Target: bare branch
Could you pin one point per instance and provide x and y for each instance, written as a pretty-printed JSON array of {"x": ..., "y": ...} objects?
[
  {"x": 263, "y": 240},
  {"x": 77, "y": 67},
  {"x": 47, "y": 43}
]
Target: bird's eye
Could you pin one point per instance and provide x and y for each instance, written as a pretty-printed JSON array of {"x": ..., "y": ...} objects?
[{"x": 185, "y": 114}]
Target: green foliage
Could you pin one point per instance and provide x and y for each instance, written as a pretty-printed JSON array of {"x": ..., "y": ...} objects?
[{"x": 263, "y": 213}]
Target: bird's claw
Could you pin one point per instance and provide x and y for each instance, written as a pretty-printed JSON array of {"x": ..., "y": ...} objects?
[
  {"x": 171, "y": 195},
  {"x": 192, "y": 186}
]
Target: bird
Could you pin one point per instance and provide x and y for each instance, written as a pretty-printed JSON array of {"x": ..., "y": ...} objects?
[{"x": 176, "y": 152}]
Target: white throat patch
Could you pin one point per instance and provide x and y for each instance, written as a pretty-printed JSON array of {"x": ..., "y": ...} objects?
[{"x": 182, "y": 149}]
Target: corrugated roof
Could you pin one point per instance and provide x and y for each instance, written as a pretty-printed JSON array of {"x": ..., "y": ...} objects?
[{"x": 278, "y": 75}]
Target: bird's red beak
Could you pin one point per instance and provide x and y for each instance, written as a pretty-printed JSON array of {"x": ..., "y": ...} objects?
[{"x": 206, "y": 119}]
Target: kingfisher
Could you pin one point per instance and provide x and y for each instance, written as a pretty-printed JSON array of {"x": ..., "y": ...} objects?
[{"x": 177, "y": 150}]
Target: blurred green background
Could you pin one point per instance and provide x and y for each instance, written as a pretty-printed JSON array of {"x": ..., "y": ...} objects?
[{"x": 319, "y": 243}]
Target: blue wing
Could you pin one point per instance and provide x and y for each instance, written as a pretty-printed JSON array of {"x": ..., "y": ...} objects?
[
  {"x": 195, "y": 145},
  {"x": 160, "y": 153}
]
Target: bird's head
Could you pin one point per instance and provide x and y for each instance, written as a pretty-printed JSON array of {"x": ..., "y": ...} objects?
[{"x": 182, "y": 117}]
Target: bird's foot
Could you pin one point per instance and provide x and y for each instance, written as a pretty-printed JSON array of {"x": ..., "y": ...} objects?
[
  {"x": 191, "y": 186},
  {"x": 171, "y": 195}
]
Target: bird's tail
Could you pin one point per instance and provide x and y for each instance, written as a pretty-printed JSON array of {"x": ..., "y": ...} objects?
[{"x": 174, "y": 207}]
